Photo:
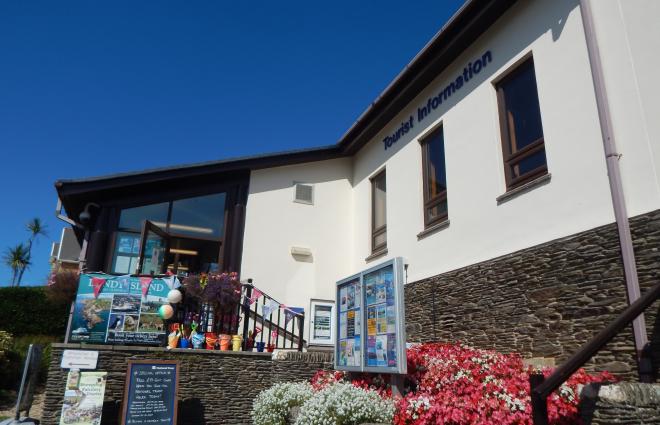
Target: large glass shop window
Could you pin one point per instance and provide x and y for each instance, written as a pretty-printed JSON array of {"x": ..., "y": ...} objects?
[{"x": 196, "y": 226}]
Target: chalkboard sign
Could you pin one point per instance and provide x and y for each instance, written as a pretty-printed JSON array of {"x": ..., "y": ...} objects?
[{"x": 150, "y": 394}]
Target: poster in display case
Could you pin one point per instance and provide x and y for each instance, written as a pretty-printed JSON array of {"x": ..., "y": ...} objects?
[
  {"x": 370, "y": 320},
  {"x": 322, "y": 327}
]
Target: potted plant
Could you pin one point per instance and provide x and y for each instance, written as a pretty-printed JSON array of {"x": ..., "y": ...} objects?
[
  {"x": 221, "y": 291},
  {"x": 252, "y": 336}
]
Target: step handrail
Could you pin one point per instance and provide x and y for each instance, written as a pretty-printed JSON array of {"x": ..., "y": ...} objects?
[{"x": 541, "y": 388}]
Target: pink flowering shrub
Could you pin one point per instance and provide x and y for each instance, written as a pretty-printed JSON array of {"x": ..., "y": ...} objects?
[{"x": 455, "y": 384}]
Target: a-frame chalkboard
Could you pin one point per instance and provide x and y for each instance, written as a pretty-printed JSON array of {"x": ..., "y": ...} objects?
[{"x": 150, "y": 392}]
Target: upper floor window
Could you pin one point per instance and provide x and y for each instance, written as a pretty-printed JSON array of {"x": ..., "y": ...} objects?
[
  {"x": 520, "y": 125},
  {"x": 435, "y": 178},
  {"x": 378, "y": 212}
]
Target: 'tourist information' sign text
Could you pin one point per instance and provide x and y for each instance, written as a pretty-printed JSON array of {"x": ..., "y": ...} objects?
[{"x": 150, "y": 394}]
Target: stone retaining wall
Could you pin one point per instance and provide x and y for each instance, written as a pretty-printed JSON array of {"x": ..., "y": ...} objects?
[
  {"x": 215, "y": 387},
  {"x": 543, "y": 301},
  {"x": 624, "y": 403}
]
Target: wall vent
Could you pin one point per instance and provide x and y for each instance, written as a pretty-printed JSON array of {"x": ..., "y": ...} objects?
[{"x": 303, "y": 193}]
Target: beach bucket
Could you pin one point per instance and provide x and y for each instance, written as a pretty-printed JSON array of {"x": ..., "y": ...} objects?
[
  {"x": 211, "y": 338},
  {"x": 236, "y": 342},
  {"x": 225, "y": 340}
]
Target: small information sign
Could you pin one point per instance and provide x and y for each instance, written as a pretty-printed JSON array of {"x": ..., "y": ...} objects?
[
  {"x": 79, "y": 359},
  {"x": 150, "y": 393}
]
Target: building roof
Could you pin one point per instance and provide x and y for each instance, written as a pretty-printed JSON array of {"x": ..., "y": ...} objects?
[{"x": 462, "y": 29}]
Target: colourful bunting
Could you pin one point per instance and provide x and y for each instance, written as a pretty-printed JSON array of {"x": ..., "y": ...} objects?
[
  {"x": 124, "y": 281},
  {"x": 97, "y": 284},
  {"x": 255, "y": 295},
  {"x": 144, "y": 284},
  {"x": 269, "y": 307},
  {"x": 291, "y": 312}
]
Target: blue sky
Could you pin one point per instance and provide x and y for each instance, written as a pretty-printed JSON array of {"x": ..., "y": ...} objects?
[{"x": 91, "y": 88}]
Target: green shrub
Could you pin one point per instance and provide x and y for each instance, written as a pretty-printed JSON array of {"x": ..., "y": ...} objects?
[
  {"x": 27, "y": 311},
  {"x": 11, "y": 366}
]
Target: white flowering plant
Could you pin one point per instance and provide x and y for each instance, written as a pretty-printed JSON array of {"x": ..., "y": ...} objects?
[
  {"x": 345, "y": 404},
  {"x": 271, "y": 406}
]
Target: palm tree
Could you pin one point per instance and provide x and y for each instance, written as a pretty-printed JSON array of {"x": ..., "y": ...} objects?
[
  {"x": 36, "y": 229},
  {"x": 17, "y": 259}
]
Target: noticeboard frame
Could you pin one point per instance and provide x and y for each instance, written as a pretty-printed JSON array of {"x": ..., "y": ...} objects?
[
  {"x": 397, "y": 265},
  {"x": 127, "y": 384}
]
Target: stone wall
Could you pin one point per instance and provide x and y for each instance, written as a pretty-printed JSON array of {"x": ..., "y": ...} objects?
[
  {"x": 543, "y": 301},
  {"x": 215, "y": 387},
  {"x": 624, "y": 403}
]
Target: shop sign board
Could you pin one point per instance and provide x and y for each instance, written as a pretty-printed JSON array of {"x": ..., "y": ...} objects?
[
  {"x": 124, "y": 310},
  {"x": 79, "y": 359},
  {"x": 370, "y": 320},
  {"x": 150, "y": 393},
  {"x": 83, "y": 398}
]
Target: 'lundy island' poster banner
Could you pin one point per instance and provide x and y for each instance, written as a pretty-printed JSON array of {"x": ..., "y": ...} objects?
[{"x": 119, "y": 310}]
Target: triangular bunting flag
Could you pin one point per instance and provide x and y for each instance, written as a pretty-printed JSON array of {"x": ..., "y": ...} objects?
[
  {"x": 269, "y": 307},
  {"x": 169, "y": 281},
  {"x": 144, "y": 284},
  {"x": 292, "y": 312},
  {"x": 255, "y": 295},
  {"x": 97, "y": 285},
  {"x": 124, "y": 281},
  {"x": 288, "y": 315}
]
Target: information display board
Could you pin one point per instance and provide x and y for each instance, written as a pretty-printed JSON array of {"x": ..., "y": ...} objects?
[
  {"x": 150, "y": 393},
  {"x": 122, "y": 310},
  {"x": 370, "y": 320}
]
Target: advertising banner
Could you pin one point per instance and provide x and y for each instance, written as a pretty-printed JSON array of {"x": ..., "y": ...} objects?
[
  {"x": 372, "y": 333},
  {"x": 119, "y": 310},
  {"x": 83, "y": 398}
]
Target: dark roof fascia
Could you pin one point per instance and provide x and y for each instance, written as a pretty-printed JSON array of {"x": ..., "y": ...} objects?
[
  {"x": 467, "y": 24},
  {"x": 78, "y": 186}
]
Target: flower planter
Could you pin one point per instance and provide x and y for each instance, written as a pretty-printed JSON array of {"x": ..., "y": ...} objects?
[{"x": 261, "y": 346}]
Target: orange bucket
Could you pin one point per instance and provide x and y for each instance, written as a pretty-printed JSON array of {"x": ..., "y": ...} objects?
[
  {"x": 225, "y": 341},
  {"x": 211, "y": 338}
]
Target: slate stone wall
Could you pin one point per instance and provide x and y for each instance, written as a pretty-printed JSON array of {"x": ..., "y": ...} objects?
[
  {"x": 543, "y": 301},
  {"x": 214, "y": 387},
  {"x": 623, "y": 403}
]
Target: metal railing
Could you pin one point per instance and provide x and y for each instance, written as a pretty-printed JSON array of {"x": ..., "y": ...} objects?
[
  {"x": 275, "y": 332},
  {"x": 541, "y": 388}
]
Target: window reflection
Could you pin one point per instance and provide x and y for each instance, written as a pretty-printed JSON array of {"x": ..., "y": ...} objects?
[
  {"x": 132, "y": 218},
  {"x": 202, "y": 216}
]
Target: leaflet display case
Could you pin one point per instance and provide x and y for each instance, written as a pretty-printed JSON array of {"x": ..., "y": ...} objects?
[{"x": 370, "y": 320}]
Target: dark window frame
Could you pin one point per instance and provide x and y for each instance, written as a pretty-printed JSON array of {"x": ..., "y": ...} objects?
[
  {"x": 431, "y": 202},
  {"x": 375, "y": 232},
  {"x": 510, "y": 158}
]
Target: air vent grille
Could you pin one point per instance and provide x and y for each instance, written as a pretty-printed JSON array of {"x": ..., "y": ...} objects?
[{"x": 304, "y": 193}]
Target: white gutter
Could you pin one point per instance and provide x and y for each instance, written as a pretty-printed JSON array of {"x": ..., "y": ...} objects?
[{"x": 614, "y": 173}]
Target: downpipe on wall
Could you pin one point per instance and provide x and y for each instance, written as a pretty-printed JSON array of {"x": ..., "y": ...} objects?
[{"x": 614, "y": 175}]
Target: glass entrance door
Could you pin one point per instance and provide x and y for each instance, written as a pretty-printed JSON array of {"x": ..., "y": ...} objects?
[{"x": 154, "y": 246}]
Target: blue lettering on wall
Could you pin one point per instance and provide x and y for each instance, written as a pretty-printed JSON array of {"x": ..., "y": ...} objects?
[{"x": 433, "y": 102}]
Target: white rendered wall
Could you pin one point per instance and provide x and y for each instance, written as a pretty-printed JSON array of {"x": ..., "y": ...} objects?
[
  {"x": 274, "y": 223},
  {"x": 629, "y": 38},
  {"x": 337, "y": 228},
  {"x": 576, "y": 198}
]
